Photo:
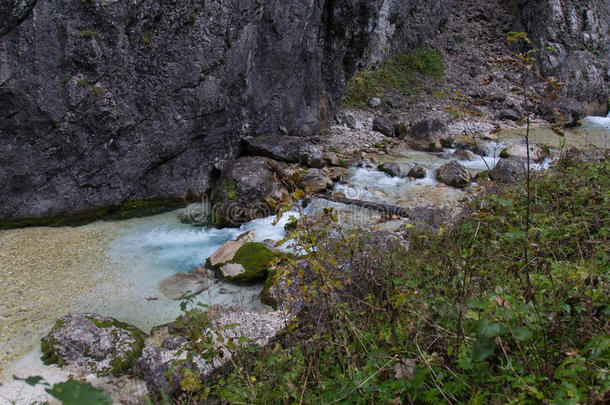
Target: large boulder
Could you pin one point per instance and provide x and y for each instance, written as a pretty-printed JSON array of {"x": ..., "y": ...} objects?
[
  {"x": 454, "y": 174},
  {"x": 165, "y": 359},
  {"x": 93, "y": 343},
  {"x": 427, "y": 135},
  {"x": 509, "y": 170},
  {"x": 245, "y": 191},
  {"x": 290, "y": 149},
  {"x": 519, "y": 149}
]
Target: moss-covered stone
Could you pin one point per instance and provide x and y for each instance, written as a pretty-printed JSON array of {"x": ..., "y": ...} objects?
[
  {"x": 75, "y": 338},
  {"x": 504, "y": 154},
  {"x": 255, "y": 258},
  {"x": 266, "y": 296}
]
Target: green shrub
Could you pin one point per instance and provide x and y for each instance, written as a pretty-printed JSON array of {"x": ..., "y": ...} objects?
[{"x": 396, "y": 73}]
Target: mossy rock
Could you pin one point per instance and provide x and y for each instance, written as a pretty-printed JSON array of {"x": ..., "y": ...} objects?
[
  {"x": 254, "y": 257},
  {"x": 266, "y": 296},
  {"x": 504, "y": 154},
  {"x": 93, "y": 343}
]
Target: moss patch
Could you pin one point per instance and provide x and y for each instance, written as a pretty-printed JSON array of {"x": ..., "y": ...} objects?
[
  {"x": 398, "y": 72},
  {"x": 126, "y": 210},
  {"x": 255, "y": 258}
]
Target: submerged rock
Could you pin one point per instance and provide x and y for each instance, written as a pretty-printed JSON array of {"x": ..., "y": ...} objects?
[
  {"x": 427, "y": 135},
  {"x": 183, "y": 285},
  {"x": 453, "y": 174},
  {"x": 93, "y": 344},
  {"x": 290, "y": 149},
  {"x": 196, "y": 213}
]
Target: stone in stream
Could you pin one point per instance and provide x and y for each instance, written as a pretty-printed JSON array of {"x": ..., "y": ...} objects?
[
  {"x": 93, "y": 344},
  {"x": 242, "y": 262},
  {"x": 453, "y": 174},
  {"x": 183, "y": 285},
  {"x": 161, "y": 353},
  {"x": 244, "y": 192},
  {"x": 417, "y": 172},
  {"x": 509, "y": 170},
  {"x": 463, "y": 154},
  {"x": 427, "y": 135},
  {"x": 315, "y": 180},
  {"x": 519, "y": 149},
  {"x": 391, "y": 168}
]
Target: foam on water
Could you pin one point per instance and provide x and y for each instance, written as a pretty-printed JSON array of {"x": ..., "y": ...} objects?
[{"x": 602, "y": 122}]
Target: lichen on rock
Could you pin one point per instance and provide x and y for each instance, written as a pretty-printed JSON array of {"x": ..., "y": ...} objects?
[{"x": 92, "y": 343}]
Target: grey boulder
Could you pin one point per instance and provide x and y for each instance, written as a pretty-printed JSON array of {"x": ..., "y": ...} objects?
[{"x": 453, "y": 174}]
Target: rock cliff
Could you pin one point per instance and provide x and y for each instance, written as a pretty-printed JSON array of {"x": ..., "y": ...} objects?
[{"x": 106, "y": 101}]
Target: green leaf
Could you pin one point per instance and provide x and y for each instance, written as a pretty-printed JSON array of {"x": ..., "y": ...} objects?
[
  {"x": 72, "y": 392},
  {"x": 522, "y": 333},
  {"x": 482, "y": 349},
  {"x": 488, "y": 329},
  {"x": 31, "y": 380}
]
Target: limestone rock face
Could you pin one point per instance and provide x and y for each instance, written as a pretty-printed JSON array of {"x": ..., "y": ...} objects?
[
  {"x": 573, "y": 38},
  {"x": 103, "y": 102},
  {"x": 93, "y": 343},
  {"x": 453, "y": 174}
]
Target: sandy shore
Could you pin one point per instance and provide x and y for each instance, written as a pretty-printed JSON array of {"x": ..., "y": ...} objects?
[{"x": 43, "y": 270}]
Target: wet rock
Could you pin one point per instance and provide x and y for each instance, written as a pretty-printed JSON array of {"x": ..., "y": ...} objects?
[
  {"x": 509, "y": 170},
  {"x": 315, "y": 180},
  {"x": 375, "y": 102},
  {"x": 93, "y": 343},
  {"x": 463, "y": 154},
  {"x": 391, "y": 168},
  {"x": 453, "y": 174},
  {"x": 290, "y": 149},
  {"x": 427, "y": 135},
  {"x": 417, "y": 172},
  {"x": 196, "y": 213},
  {"x": 244, "y": 191},
  {"x": 384, "y": 126},
  {"x": 336, "y": 173},
  {"x": 183, "y": 285}
]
